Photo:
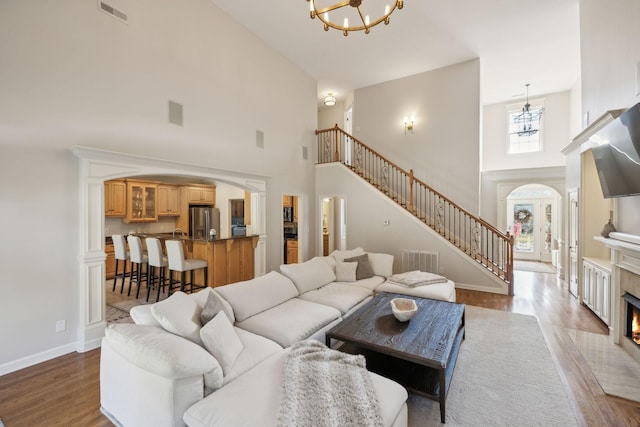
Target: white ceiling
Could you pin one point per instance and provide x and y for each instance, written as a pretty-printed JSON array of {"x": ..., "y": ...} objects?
[{"x": 518, "y": 42}]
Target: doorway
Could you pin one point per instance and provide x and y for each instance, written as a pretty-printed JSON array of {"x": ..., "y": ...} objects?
[
  {"x": 333, "y": 232},
  {"x": 290, "y": 226},
  {"x": 532, "y": 219}
]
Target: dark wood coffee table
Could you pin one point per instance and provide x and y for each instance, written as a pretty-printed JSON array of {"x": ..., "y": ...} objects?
[{"x": 420, "y": 354}]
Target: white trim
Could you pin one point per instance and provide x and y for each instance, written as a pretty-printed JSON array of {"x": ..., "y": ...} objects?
[
  {"x": 97, "y": 166},
  {"x": 34, "y": 359}
]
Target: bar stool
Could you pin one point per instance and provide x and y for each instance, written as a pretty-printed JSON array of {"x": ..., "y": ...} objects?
[
  {"x": 177, "y": 262},
  {"x": 156, "y": 260},
  {"x": 121, "y": 254},
  {"x": 138, "y": 258}
]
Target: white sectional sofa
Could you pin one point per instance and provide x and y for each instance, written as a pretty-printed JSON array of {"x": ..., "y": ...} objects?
[{"x": 168, "y": 369}]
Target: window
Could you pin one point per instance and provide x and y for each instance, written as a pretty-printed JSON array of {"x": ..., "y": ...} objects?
[{"x": 525, "y": 128}]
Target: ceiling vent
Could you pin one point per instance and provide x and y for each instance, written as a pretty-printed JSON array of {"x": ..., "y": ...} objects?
[{"x": 118, "y": 14}]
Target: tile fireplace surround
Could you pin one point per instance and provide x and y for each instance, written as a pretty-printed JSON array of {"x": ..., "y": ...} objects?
[{"x": 625, "y": 278}]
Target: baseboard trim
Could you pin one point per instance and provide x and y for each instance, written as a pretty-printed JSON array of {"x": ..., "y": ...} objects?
[
  {"x": 480, "y": 288},
  {"x": 34, "y": 359}
]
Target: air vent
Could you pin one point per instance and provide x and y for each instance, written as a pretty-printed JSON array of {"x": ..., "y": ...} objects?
[
  {"x": 175, "y": 113},
  {"x": 118, "y": 14}
]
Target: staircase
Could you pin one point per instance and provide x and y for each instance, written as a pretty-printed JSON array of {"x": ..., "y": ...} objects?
[{"x": 470, "y": 234}]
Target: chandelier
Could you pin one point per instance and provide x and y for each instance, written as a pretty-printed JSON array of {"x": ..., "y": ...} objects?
[
  {"x": 363, "y": 21},
  {"x": 528, "y": 122}
]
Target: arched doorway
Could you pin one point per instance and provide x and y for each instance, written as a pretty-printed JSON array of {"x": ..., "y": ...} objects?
[
  {"x": 533, "y": 218},
  {"x": 98, "y": 166}
]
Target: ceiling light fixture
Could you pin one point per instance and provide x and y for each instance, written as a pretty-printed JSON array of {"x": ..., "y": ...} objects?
[
  {"x": 529, "y": 120},
  {"x": 323, "y": 15},
  {"x": 330, "y": 100}
]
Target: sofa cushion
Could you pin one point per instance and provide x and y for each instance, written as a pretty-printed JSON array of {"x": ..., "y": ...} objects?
[
  {"x": 256, "y": 349},
  {"x": 155, "y": 350},
  {"x": 142, "y": 315},
  {"x": 201, "y": 297},
  {"x": 179, "y": 315},
  {"x": 309, "y": 275},
  {"x": 382, "y": 264},
  {"x": 342, "y": 255},
  {"x": 371, "y": 283},
  {"x": 440, "y": 291},
  {"x": 224, "y": 408},
  {"x": 220, "y": 338},
  {"x": 364, "y": 270},
  {"x": 338, "y": 295},
  {"x": 291, "y": 321},
  {"x": 254, "y": 296},
  {"x": 346, "y": 271},
  {"x": 215, "y": 304}
]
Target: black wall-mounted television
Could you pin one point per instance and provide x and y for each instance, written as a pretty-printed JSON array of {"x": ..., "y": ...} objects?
[{"x": 618, "y": 157}]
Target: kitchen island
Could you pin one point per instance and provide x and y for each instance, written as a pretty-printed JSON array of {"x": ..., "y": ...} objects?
[{"x": 229, "y": 260}]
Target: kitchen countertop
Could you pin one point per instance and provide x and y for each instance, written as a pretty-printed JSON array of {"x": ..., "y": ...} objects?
[{"x": 169, "y": 236}]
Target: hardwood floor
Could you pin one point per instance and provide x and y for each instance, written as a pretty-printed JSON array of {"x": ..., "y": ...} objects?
[{"x": 65, "y": 391}]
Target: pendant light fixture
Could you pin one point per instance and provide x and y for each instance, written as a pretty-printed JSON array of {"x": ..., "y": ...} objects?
[{"x": 528, "y": 121}]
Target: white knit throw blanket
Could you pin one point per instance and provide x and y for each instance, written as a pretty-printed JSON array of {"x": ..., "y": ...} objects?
[
  {"x": 325, "y": 387},
  {"x": 412, "y": 279}
]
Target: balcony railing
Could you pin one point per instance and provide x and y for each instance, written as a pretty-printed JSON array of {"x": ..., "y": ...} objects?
[{"x": 472, "y": 235}]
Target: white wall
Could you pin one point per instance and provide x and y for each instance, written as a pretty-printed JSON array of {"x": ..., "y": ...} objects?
[
  {"x": 72, "y": 75},
  {"x": 555, "y": 134},
  {"x": 444, "y": 149},
  {"x": 610, "y": 52},
  {"x": 328, "y": 117}
]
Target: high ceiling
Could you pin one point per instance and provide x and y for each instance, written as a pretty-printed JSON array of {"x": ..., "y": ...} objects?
[{"x": 518, "y": 42}]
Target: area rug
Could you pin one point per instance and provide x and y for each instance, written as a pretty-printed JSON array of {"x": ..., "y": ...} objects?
[
  {"x": 504, "y": 376},
  {"x": 536, "y": 267},
  {"x": 616, "y": 371}
]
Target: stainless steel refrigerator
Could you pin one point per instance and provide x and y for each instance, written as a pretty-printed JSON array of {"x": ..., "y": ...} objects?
[{"x": 203, "y": 219}]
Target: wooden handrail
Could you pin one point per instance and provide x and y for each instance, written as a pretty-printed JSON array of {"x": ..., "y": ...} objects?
[{"x": 473, "y": 235}]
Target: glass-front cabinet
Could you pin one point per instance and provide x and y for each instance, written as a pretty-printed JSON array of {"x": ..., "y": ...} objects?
[{"x": 142, "y": 203}]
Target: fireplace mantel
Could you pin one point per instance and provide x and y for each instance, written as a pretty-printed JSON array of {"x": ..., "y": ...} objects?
[{"x": 625, "y": 255}]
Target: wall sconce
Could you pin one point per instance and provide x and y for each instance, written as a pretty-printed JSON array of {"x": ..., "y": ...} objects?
[{"x": 408, "y": 125}]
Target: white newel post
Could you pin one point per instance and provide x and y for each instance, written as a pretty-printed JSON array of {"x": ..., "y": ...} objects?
[{"x": 97, "y": 166}]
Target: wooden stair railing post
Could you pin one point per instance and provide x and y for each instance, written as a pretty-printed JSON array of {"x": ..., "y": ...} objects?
[
  {"x": 509, "y": 269},
  {"x": 337, "y": 152},
  {"x": 412, "y": 207}
]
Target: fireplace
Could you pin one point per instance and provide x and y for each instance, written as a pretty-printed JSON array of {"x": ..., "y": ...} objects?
[{"x": 632, "y": 329}]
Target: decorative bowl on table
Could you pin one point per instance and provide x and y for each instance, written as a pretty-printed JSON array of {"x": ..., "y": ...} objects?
[{"x": 403, "y": 308}]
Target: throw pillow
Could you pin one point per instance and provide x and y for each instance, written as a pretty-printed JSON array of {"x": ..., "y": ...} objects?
[
  {"x": 213, "y": 306},
  {"x": 179, "y": 315},
  {"x": 343, "y": 255},
  {"x": 309, "y": 275},
  {"x": 222, "y": 341},
  {"x": 364, "y": 270},
  {"x": 346, "y": 271}
]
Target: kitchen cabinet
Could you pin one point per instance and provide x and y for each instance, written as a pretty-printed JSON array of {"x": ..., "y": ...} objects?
[
  {"x": 292, "y": 251},
  {"x": 141, "y": 202},
  {"x": 596, "y": 287},
  {"x": 287, "y": 201},
  {"x": 168, "y": 200},
  {"x": 325, "y": 244},
  {"x": 295, "y": 208},
  {"x": 203, "y": 195},
  {"x": 115, "y": 198},
  {"x": 110, "y": 262}
]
